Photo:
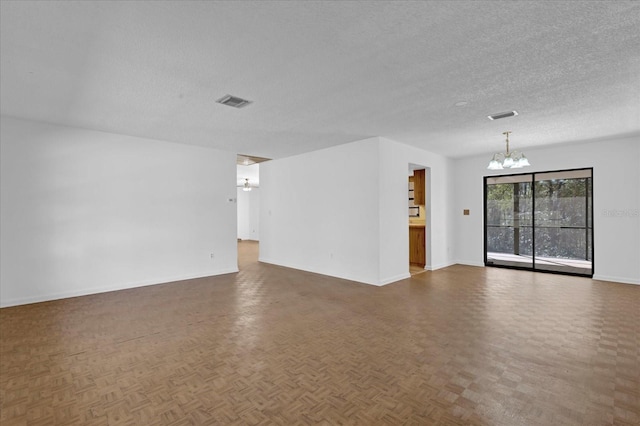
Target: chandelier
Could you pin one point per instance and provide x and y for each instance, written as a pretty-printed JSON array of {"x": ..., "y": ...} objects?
[{"x": 508, "y": 159}]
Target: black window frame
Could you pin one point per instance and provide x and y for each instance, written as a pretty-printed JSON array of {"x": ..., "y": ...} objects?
[{"x": 533, "y": 206}]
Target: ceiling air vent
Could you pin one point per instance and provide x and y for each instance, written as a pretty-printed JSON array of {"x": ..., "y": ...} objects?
[
  {"x": 503, "y": 115},
  {"x": 233, "y": 101}
]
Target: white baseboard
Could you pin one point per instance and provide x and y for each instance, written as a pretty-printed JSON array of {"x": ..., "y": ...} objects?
[
  {"x": 398, "y": 277},
  {"x": 317, "y": 271},
  {"x": 622, "y": 280},
  {"x": 5, "y": 303},
  {"x": 470, "y": 263},
  {"x": 439, "y": 266}
]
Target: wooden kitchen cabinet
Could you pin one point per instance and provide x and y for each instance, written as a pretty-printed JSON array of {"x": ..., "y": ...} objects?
[
  {"x": 417, "y": 252},
  {"x": 418, "y": 187}
]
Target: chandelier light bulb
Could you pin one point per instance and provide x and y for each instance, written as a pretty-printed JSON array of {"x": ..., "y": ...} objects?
[{"x": 508, "y": 159}]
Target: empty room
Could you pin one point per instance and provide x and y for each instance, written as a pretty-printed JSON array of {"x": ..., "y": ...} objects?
[{"x": 319, "y": 212}]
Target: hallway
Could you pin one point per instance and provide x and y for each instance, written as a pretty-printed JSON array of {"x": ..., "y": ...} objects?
[{"x": 248, "y": 251}]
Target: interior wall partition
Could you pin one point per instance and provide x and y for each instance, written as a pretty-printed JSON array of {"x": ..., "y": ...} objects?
[{"x": 540, "y": 221}]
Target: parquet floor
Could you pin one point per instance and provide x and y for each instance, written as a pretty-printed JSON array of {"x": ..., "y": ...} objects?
[{"x": 275, "y": 346}]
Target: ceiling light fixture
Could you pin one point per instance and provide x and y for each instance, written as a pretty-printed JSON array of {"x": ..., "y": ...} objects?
[
  {"x": 246, "y": 186},
  {"x": 508, "y": 159}
]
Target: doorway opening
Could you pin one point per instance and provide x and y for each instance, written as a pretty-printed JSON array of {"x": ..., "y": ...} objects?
[
  {"x": 248, "y": 207},
  {"x": 248, "y": 253},
  {"x": 418, "y": 218}
]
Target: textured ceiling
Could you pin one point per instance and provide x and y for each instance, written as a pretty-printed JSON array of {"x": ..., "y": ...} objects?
[{"x": 325, "y": 73}]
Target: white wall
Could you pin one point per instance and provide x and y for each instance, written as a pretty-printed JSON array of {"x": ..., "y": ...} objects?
[
  {"x": 394, "y": 231},
  {"x": 248, "y": 214},
  {"x": 85, "y": 212},
  {"x": 343, "y": 211},
  {"x": 616, "y": 187},
  {"x": 319, "y": 211}
]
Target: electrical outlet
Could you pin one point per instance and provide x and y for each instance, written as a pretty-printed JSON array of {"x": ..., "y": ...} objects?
[{"x": 212, "y": 256}]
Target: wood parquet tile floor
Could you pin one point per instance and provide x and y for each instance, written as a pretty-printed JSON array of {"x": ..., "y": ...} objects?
[{"x": 276, "y": 346}]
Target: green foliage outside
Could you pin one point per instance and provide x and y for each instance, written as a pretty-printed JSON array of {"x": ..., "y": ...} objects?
[{"x": 562, "y": 218}]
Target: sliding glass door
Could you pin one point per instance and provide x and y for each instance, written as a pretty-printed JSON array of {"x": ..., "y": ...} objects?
[
  {"x": 508, "y": 207},
  {"x": 540, "y": 221}
]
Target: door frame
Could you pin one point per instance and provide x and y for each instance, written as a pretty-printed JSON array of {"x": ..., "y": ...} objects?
[{"x": 533, "y": 196}]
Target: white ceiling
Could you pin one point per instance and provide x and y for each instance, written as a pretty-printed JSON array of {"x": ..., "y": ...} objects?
[{"x": 325, "y": 73}]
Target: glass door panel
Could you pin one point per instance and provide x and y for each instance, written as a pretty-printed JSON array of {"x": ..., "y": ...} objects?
[
  {"x": 509, "y": 235},
  {"x": 563, "y": 222}
]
